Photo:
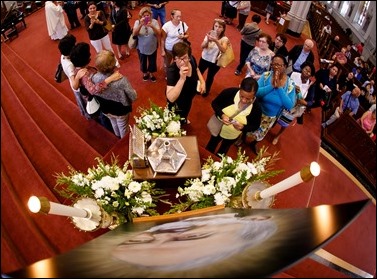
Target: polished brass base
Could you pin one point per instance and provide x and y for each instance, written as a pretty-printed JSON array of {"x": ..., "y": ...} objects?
[
  {"x": 251, "y": 198},
  {"x": 98, "y": 217}
]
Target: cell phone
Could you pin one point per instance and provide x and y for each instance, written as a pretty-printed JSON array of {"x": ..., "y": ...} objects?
[
  {"x": 213, "y": 33},
  {"x": 146, "y": 20}
]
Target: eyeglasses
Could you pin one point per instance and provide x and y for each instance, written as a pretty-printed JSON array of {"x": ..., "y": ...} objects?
[
  {"x": 277, "y": 65},
  {"x": 261, "y": 41},
  {"x": 184, "y": 58}
]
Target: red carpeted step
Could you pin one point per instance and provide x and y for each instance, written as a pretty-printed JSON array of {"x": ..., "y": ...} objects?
[
  {"x": 94, "y": 134},
  {"x": 17, "y": 221},
  {"x": 11, "y": 259},
  {"x": 20, "y": 254},
  {"x": 49, "y": 143}
]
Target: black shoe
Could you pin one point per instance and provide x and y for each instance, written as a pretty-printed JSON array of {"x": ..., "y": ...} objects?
[
  {"x": 238, "y": 142},
  {"x": 185, "y": 121},
  {"x": 205, "y": 94},
  {"x": 253, "y": 147}
]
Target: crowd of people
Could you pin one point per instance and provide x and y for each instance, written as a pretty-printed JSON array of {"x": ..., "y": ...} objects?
[{"x": 278, "y": 87}]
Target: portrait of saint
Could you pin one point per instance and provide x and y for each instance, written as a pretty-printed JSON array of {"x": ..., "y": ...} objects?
[{"x": 224, "y": 242}]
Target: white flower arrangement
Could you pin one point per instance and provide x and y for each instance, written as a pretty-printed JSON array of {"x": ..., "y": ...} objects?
[
  {"x": 113, "y": 188},
  {"x": 224, "y": 179},
  {"x": 159, "y": 122}
]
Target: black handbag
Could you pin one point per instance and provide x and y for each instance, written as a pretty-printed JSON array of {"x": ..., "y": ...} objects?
[{"x": 60, "y": 76}]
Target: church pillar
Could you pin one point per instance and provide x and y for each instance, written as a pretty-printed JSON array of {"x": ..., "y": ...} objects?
[{"x": 297, "y": 16}]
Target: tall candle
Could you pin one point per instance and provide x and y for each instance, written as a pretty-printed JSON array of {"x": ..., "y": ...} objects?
[
  {"x": 306, "y": 174},
  {"x": 42, "y": 204}
]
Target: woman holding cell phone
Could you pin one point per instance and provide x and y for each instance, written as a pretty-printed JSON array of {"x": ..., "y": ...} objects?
[
  {"x": 147, "y": 31},
  {"x": 239, "y": 110},
  {"x": 214, "y": 42}
]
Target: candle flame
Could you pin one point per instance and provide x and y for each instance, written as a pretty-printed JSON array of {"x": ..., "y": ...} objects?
[{"x": 34, "y": 204}]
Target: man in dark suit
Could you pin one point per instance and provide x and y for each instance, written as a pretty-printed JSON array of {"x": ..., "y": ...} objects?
[{"x": 299, "y": 54}]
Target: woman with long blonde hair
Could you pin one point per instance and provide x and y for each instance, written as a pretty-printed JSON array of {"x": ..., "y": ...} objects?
[{"x": 214, "y": 42}]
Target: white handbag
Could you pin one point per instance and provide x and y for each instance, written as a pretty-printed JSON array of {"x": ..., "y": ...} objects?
[{"x": 92, "y": 106}]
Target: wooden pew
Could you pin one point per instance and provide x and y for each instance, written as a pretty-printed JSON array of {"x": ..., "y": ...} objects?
[{"x": 349, "y": 140}]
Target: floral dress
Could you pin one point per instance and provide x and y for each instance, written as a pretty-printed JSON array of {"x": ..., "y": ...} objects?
[{"x": 259, "y": 63}]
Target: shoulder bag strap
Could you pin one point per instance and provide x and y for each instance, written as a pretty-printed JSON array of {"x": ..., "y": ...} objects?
[{"x": 239, "y": 111}]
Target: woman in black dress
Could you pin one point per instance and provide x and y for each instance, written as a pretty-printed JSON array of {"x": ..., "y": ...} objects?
[{"x": 121, "y": 28}]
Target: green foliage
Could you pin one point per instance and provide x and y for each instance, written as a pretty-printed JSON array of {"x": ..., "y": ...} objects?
[
  {"x": 223, "y": 180},
  {"x": 112, "y": 187}
]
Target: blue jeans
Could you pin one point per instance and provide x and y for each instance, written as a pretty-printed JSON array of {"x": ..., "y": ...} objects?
[
  {"x": 159, "y": 13},
  {"x": 119, "y": 123},
  {"x": 81, "y": 103}
]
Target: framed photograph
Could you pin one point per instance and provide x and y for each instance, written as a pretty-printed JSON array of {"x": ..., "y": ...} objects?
[{"x": 222, "y": 243}]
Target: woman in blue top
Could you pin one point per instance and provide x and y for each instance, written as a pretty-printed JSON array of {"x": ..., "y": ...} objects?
[{"x": 276, "y": 92}]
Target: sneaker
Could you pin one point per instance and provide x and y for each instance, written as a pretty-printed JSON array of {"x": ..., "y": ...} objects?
[
  {"x": 145, "y": 77},
  {"x": 153, "y": 79},
  {"x": 237, "y": 73}
]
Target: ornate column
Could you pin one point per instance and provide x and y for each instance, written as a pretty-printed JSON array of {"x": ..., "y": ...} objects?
[{"x": 297, "y": 16}]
